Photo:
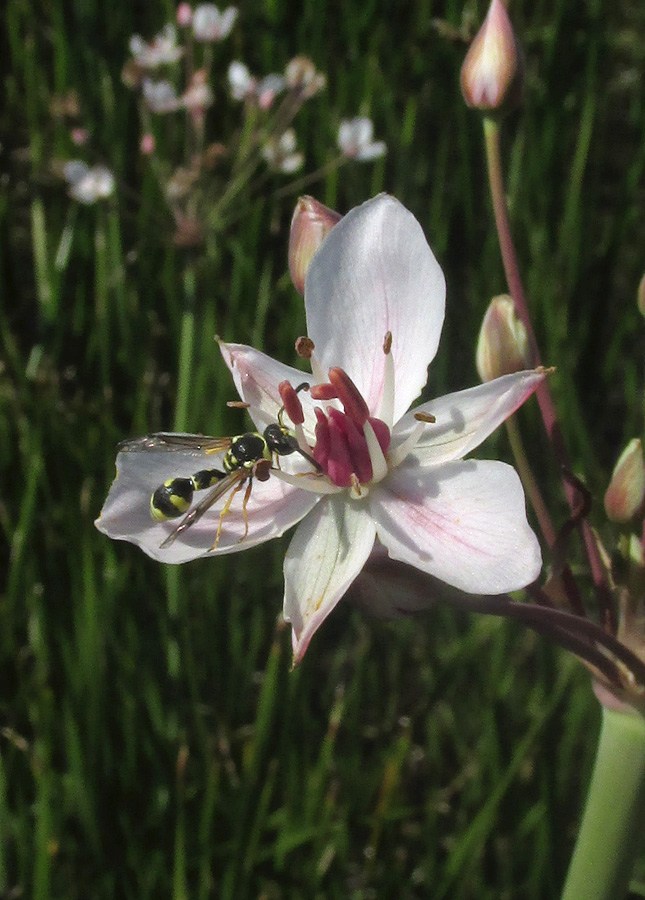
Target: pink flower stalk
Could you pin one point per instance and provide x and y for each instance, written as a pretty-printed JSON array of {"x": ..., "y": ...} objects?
[{"x": 368, "y": 470}]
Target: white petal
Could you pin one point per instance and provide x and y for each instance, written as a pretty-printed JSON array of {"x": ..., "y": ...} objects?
[
  {"x": 257, "y": 377},
  {"x": 272, "y": 508},
  {"x": 326, "y": 554},
  {"x": 372, "y": 151},
  {"x": 464, "y": 522},
  {"x": 466, "y": 418},
  {"x": 375, "y": 273}
]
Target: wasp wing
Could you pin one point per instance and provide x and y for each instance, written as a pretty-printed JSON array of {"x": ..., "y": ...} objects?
[{"x": 168, "y": 441}]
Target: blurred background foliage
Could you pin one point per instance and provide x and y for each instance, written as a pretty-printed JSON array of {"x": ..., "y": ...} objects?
[{"x": 153, "y": 740}]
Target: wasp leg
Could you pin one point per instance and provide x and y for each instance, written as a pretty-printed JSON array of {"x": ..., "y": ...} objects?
[
  {"x": 225, "y": 509},
  {"x": 247, "y": 494}
]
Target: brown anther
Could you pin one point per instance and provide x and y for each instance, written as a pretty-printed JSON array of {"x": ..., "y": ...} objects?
[
  {"x": 238, "y": 404},
  {"x": 323, "y": 392},
  {"x": 304, "y": 347},
  {"x": 291, "y": 402},
  {"x": 356, "y": 486},
  {"x": 349, "y": 395},
  {"x": 262, "y": 469},
  {"x": 387, "y": 343},
  {"x": 425, "y": 417}
]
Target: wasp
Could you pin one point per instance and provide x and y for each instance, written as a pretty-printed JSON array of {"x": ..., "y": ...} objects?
[{"x": 247, "y": 457}]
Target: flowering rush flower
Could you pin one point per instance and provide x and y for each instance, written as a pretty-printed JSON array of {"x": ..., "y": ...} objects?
[
  {"x": 374, "y": 299},
  {"x": 87, "y": 185},
  {"x": 355, "y": 140},
  {"x": 163, "y": 50},
  {"x": 209, "y": 24}
]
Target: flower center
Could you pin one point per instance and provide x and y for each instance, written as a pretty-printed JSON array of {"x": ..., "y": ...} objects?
[{"x": 351, "y": 445}]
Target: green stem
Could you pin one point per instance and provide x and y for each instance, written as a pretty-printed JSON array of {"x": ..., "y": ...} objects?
[
  {"x": 186, "y": 346},
  {"x": 612, "y": 827}
]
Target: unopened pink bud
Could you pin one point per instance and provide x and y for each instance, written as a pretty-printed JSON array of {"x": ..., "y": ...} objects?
[
  {"x": 311, "y": 223},
  {"x": 626, "y": 491},
  {"x": 147, "y": 144},
  {"x": 184, "y": 14},
  {"x": 79, "y": 136},
  {"x": 502, "y": 346},
  {"x": 492, "y": 72}
]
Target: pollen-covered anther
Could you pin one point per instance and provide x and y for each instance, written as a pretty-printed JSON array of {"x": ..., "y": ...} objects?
[
  {"x": 425, "y": 417},
  {"x": 304, "y": 347},
  {"x": 387, "y": 343},
  {"x": 291, "y": 402}
]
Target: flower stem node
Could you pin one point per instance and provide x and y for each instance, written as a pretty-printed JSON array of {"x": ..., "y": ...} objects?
[
  {"x": 310, "y": 224},
  {"x": 492, "y": 73},
  {"x": 626, "y": 492},
  {"x": 502, "y": 346}
]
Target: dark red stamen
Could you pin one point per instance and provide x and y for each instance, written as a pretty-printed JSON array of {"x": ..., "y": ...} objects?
[
  {"x": 291, "y": 402},
  {"x": 323, "y": 392},
  {"x": 349, "y": 395}
]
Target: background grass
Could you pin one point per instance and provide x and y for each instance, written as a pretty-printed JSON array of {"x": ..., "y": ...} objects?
[{"x": 154, "y": 742}]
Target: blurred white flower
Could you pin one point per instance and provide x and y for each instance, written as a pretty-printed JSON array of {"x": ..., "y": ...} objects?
[
  {"x": 355, "y": 140},
  {"x": 240, "y": 81},
  {"x": 281, "y": 155},
  {"x": 161, "y": 96},
  {"x": 243, "y": 86},
  {"x": 87, "y": 185},
  {"x": 209, "y": 24},
  {"x": 301, "y": 76},
  {"x": 163, "y": 49},
  {"x": 198, "y": 95}
]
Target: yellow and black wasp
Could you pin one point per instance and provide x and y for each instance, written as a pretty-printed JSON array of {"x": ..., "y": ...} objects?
[{"x": 247, "y": 457}]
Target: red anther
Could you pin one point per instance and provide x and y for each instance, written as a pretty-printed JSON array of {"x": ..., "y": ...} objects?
[
  {"x": 381, "y": 431},
  {"x": 323, "y": 441},
  {"x": 361, "y": 464},
  {"x": 291, "y": 402},
  {"x": 323, "y": 392},
  {"x": 304, "y": 347},
  {"x": 387, "y": 342},
  {"x": 349, "y": 395},
  {"x": 339, "y": 464}
]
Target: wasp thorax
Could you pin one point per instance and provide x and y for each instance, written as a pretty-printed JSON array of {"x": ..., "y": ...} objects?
[{"x": 350, "y": 445}]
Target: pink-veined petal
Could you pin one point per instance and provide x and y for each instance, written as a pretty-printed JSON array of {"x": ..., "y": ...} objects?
[
  {"x": 466, "y": 418},
  {"x": 464, "y": 522},
  {"x": 273, "y": 507},
  {"x": 257, "y": 376},
  {"x": 375, "y": 273},
  {"x": 326, "y": 554}
]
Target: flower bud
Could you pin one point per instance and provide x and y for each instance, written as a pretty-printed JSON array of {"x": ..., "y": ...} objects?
[
  {"x": 310, "y": 224},
  {"x": 640, "y": 296},
  {"x": 184, "y": 14},
  {"x": 493, "y": 70},
  {"x": 502, "y": 346},
  {"x": 626, "y": 491}
]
